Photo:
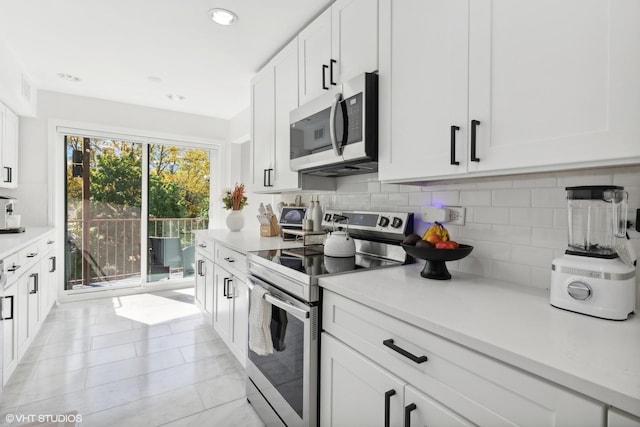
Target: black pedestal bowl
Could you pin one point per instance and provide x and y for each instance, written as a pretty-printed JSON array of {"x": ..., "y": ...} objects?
[{"x": 435, "y": 267}]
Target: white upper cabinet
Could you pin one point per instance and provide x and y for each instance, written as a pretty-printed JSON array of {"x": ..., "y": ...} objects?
[
  {"x": 9, "y": 123},
  {"x": 339, "y": 44},
  {"x": 523, "y": 86},
  {"x": 274, "y": 94}
]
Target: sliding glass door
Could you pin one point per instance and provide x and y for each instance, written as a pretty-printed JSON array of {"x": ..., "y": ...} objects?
[{"x": 112, "y": 186}]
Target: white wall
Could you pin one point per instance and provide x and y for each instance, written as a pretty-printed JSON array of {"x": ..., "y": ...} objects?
[
  {"x": 13, "y": 80},
  {"x": 34, "y": 185}
]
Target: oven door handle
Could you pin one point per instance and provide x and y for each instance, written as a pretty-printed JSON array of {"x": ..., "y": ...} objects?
[{"x": 282, "y": 304}]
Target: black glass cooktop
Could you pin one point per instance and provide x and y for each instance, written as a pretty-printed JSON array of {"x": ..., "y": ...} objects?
[{"x": 311, "y": 260}]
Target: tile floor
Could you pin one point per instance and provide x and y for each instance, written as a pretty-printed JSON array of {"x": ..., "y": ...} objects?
[{"x": 139, "y": 360}]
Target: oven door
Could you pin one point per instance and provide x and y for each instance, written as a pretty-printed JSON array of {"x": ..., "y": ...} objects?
[{"x": 286, "y": 379}]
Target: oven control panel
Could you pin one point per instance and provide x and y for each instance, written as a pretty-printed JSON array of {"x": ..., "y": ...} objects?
[{"x": 397, "y": 223}]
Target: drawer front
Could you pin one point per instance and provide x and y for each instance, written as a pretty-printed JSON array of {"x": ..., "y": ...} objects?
[
  {"x": 12, "y": 269},
  {"x": 205, "y": 246},
  {"x": 479, "y": 388},
  {"x": 30, "y": 254},
  {"x": 232, "y": 260},
  {"x": 49, "y": 243}
]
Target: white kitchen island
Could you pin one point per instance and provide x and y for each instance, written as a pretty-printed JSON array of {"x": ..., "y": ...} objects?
[{"x": 596, "y": 360}]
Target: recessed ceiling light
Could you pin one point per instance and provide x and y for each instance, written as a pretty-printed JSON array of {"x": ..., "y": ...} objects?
[
  {"x": 175, "y": 97},
  {"x": 68, "y": 77},
  {"x": 155, "y": 79},
  {"x": 223, "y": 16}
]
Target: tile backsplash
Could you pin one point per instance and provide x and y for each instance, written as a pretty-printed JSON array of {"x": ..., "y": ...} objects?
[{"x": 517, "y": 224}]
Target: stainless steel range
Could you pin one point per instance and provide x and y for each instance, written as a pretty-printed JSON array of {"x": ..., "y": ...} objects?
[{"x": 282, "y": 382}]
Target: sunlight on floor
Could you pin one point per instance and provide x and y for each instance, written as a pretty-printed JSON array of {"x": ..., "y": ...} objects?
[{"x": 156, "y": 308}]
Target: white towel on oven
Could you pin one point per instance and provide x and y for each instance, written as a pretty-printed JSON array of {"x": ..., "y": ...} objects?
[{"x": 260, "y": 341}]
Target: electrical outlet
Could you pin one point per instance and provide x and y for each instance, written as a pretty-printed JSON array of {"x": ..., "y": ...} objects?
[{"x": 456, "y": 215}]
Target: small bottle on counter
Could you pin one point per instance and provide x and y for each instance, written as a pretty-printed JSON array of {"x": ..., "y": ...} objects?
[{"x": 317, "y": 217}]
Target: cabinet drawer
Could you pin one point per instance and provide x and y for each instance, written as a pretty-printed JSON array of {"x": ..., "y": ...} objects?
[
  {"x": 11, "y": 269},
  {"x": 30, "y": 254},
  {"x": 232, "y": 260},
  {"x": 480, "y": 388}
]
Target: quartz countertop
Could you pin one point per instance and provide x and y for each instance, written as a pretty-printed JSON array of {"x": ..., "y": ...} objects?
[
  {"x": 11, "y": 242},
  {"x": 246, "y": 241},
  {"x": 512, "y": 323}
]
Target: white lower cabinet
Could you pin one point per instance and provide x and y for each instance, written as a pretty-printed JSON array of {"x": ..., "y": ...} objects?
[
  {"x": 28, "y": 307},
  {"x": 9, "y": 330},
  {"x": 204, "y": 275},
  {"x": 355, "y": 391},
  {"x": 231, "y": 311},
  {"x": 449, "y": 384}
]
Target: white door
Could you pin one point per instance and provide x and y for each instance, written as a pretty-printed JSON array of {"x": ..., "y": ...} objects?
[
  {"x": 354, "y": 38},
  {"x": 423, "y": 88},
  {"x": 554, "y": 82},
  {"x": 425, "y": 411},
  {"x": 222, "y": 303},
  {"x": 353, "y": 388},
  {"x": 314, "y": 43},
  {"x": 240, "y": 326},
  {"x": 262, "y": 120},
  {"x": 285, "y": 69},
  {"x": 9, "y": 332}
]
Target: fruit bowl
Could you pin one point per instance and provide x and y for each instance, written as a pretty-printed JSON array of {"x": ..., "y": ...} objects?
[{"x": 435, "y": 267}]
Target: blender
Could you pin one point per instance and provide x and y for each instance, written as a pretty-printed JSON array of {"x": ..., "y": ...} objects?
[{"x": 591, "y": 278}]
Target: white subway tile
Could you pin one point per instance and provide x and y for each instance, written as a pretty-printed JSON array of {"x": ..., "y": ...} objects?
[
  {"x": 560, "y": 218},
  {"x": 353, "y": 187},
  {"x": 491, "y": 250},
  {"x": 494, "y": 184},
  {"x": 475, "y": 198},
  {"x": 511, "y": 198},
  {"x": 420, "y": 199},
  {"x": 530, "y": 255},
  {"x": 549, "y": 238},
  {"x": 490, "y": 215},
  {"x": 627, "y": 177},
  {"x": 482, "y": 232},
  {"x": 373, "y": 187},
  {"x": 475, "y": 265},
  {"x": 511, "y": 234},
  {"x": 541, "y": 277},
  {"x": 536, "y": 217},
  {"x": 445, "y": 198},
  {"x": 528, "y": 181},
  {"x": 467, "y": 185},
  {"x": 549, "y": 198}
]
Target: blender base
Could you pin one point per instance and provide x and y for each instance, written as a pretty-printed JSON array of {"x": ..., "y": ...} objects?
[{"x": 606, "y": 288}]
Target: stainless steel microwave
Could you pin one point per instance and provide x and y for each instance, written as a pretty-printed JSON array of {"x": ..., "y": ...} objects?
[{"x": 336, "y": 134}]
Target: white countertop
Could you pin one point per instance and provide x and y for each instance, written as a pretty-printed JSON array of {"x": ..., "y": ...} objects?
[
  {"x": 515, "y": 324},
  {"x": 12, "y": 242},
  {"x": 246, "y": 241}
]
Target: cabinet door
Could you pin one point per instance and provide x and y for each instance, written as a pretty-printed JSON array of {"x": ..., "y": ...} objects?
[
  {"x": 222, "y": 303},
  {"x": 424, "y": 411},
  {"x": 9, "y": 331},
  {"x": 353, "y": 390},
  {"x": 285, "y": 68},
  {"x": 616, "y": 418},
  {"x": 314, "y": 43},
  {"x": 262, "y": 132},
  {"x": 424, "y": 93},
  {"x": 209, "y": 293},
  {"x": 354, "y": 38},
  {"x": 52, "y": 281},
  {"x": 9, "y": 156},
  {"x": 28, "y": 312},
  {"x": 554, "y": 82},
  {"x": 200, "y": 280},
  {"x": 240, "y": 326}
]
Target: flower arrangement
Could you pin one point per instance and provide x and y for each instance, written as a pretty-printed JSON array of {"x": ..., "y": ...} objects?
[{"x": 235, "y": 199}]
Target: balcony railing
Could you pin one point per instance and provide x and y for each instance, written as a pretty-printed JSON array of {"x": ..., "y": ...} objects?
[{"x": 108, "y": 250}]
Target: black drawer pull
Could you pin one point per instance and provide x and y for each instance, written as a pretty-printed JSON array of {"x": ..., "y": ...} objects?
[
  {"x": 324, "y": 77},
  {"x": 229, "y": 259},
  {"x": 387, "y": 406},
  {"x": 13, "y": 268},
  {"x": 8, "y": 317},
  {"x": 407, "y": 414},
  {"x": 389, "y": 343},
  {"x": 32, "y": 254}
]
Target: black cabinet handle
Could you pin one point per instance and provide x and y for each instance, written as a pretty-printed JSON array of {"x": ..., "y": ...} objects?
[
  {"x": 35, "y": 283},
  {"x": 333, "y": 61},
  {"x": 53, "y": 264},
  {"x": 324, "y": 77},
  {"x": 224, "y": 286},
  {"x": 9, "y": 174},
  {"x": 269, "y": 178},
  {"x": 229, "y": 259},
  {"x": 387, "y": 406},
  {"x": 407, "y": 414},
  {"x": 264, "y": 177},
  {"x": 454, "y": 129},
  {"x": 11, "y": 316},
  {"x": 229, "y": 293},
  {"x": 200, "y": 269},
  {"x": 13, "y": 268},
  {"x": 32, "y": 254},
  {"x": 474, "y": 125},
  {"x": 389, "y": 343}
]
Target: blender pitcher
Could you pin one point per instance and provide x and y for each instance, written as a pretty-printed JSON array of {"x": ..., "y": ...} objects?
[{"x": 597, "y": 217}]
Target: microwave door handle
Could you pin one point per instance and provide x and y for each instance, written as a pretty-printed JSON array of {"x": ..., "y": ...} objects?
[{"x": 332, "y": 125}]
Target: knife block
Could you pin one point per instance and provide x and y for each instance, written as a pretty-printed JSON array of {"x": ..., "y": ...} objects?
[{"x": 272, "y": 229}]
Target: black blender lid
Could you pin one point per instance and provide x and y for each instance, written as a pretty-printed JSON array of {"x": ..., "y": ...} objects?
[{"x": 590, "y": 192}]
